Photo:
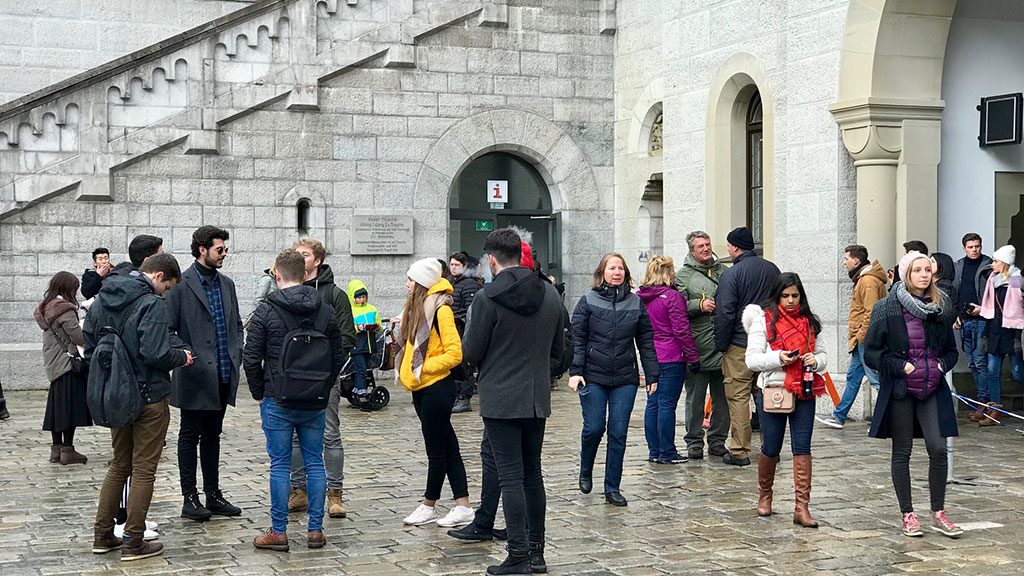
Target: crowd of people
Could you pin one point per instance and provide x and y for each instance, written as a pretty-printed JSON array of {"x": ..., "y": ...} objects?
[{"x": 744, "y": 333}]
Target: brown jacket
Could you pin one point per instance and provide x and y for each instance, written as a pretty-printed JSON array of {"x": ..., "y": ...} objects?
[
  {"x": 61, "y": 317},
  {"x": 868, "y": 288}
]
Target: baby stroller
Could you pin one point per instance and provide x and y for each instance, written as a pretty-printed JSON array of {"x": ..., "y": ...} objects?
[{"x": 377, "y": 397}]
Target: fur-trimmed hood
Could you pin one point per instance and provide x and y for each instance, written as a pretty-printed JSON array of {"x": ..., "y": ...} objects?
[{"x": 752, "y": 313}]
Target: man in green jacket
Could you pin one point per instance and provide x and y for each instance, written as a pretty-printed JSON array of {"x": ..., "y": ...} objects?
[{"x": 697, "y": 279}]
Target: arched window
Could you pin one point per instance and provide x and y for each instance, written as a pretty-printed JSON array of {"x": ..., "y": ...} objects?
[
  {"x": 755, "y": 170},
  {"x": 302, "y": 208},
  {"x": 656, "y": 143}
]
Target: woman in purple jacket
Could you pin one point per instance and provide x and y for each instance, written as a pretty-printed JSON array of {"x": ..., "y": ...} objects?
[{"x": 676, "y": 351}]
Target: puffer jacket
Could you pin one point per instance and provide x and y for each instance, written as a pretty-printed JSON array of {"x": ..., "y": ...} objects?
[
  {"x": 699, "y": 283},
  {"x": 927, "y": 373},
  {"x": 760, "y": 356},
  {"x": 464, "y": 287},
  {"x": 608, "y": 325},
  {"x": 666, "y": 308},
  {"x": 365, "y": 315},
  {"x": 444, "y": 347},
  {"x": 59, "y": 323},
  {"x": 748, "y": 281}
]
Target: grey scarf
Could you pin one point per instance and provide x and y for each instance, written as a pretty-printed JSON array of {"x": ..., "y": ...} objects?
[{"x": 918, "y": 308}]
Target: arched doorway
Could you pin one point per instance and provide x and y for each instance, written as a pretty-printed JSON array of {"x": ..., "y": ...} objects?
[{"x": 526, "y": 204}]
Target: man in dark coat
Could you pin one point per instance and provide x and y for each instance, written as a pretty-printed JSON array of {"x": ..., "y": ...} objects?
[
  {"x": 92, "y": 279},
  {"x": 204, "y": 313},
  {"x": 466, "y": 282},
  {"x": 514, "y": 331},
  {"x": 748, "y": 281}
]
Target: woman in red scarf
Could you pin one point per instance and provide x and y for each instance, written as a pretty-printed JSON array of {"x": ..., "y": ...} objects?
[{"x": 781, "y": 343}]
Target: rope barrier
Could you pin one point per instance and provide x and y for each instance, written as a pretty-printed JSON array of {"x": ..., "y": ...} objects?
[{"x": 973, "y": 402}]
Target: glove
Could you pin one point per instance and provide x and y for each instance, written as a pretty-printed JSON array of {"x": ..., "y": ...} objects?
[{"x": 692, "y": 368}]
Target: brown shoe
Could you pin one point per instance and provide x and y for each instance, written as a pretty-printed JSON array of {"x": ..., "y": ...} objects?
[
  {"x": 802, "y": 485},
  {"x": 55, "y": 453},
  {"x": 993, "y": 415},
  {"x": 765, "y": 482},
  {"x": 976, "y": 415},
  {"x": 103, "y": 543},
  {"x": 316, "y": 540},
  {"x": 69, "y": 456},
  {"x": 297, "y": 501},
  {"x": 335, "y": 506},
  {"x": 271, "y": 541},
  {"x": 135, "y": 548}
]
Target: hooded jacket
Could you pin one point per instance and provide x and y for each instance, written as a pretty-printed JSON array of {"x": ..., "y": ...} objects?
[
  {"x": 464, "y": 287},
  {"x": 265, "y": 339},
  {"x": 868, "y": 288},
  {"x": 699, "y": 283},
  {"x": 515, "y": 333},
  {"x": 334, "y": 296},
  {"x": 59, "y": 323},
  {"x": 748, "y": 281},
  {"x": 762, "y": 358},
  {"x": 609, "y": 324},
  {"x": 365, "y": 314},
  {"x": 444, "y": 349},
  {"x": 129, "y": 300},
  {"x": 666, "y": 308}
]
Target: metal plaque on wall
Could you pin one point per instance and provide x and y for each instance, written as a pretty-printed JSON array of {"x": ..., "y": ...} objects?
[{"x": 381, "y": 235}]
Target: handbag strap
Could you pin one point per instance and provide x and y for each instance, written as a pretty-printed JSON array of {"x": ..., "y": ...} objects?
[{"x": 57, "y": 337}]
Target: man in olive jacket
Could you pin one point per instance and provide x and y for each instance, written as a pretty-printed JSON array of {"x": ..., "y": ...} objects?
[
  {"x": 514, "y": 330},
  {"x": 698, "y": 279}
]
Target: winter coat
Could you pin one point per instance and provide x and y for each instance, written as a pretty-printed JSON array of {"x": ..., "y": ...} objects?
[
  {"x": 887, "y": 350},
  {"x": 266, "y": 284},
  {"x": 868, "y": 288},
  {"x": 334, "y": 296},
  {"x": 1008, "y": 304},
  {"x": 444, "y": 347},
  {"x": 129, "y": 300},
  {"x": 197, "y": 387},
  {"x": 748, "y": 281},
  {"x": 698, "y": 283},
  {"x": 91, "y": 283},
  {"x": 666, "y": 309},
  {"x": 365, "y": 315},
  {"x": 515, "y": 336},
  {"x": 59, "y": 323},
  {"x": 464, "y": 286},
  {"x": 927, "y": 374},
  {"x": 762, "y": 358},
  {"x": 984, "y": 268},
  {"x": 265, "y": 340},
  {"x": 609, "y": 324}
]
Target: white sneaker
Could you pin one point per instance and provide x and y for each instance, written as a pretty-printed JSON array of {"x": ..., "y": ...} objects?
[
  {"x": 458, "y": 516},
  {"x": 149, "y": 535},
  {"x": 150, "y": 525},
  {"x": 422, "y": 515},
  {"x": 829, "y": 421}
]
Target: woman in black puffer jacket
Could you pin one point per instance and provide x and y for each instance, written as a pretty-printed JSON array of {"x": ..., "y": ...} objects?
[{"x": 609, "y": 324}]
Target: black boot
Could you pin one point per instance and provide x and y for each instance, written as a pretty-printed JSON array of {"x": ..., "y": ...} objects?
[
  {"x": 537, "y": 563},
  {"x": 513, "y": 564},
  {"x": 193, "y": 509},
  {"x": 217, "y": 504},
  {"x": 461, "y": 405}
]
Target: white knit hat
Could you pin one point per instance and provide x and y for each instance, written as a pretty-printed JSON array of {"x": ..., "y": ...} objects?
[
  {"x": 425, "y": 272},
  {"x": 1005, "y": 254},
  {"x": 907, "y": 260}
]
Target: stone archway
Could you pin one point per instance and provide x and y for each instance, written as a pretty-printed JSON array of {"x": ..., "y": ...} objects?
[{"x": 889, "y": 107}]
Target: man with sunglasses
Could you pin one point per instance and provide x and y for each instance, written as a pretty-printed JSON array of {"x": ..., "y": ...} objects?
[{"x": 203, "y": 310}]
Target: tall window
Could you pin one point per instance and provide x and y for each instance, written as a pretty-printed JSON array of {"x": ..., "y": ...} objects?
[
  {"x": 302, "y": 223},
  {"x": 656, "y": 144},
  {"x": 755, "y": 170}
]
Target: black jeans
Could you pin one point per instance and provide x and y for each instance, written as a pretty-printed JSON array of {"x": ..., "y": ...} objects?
[
  {"x": 516, "y": 444},
  {"x": 490, "y": 488},
  {"x": 434, "y": 408},
  {"x": 902, "y": 414},
  {"x": 200, "y": 428}
]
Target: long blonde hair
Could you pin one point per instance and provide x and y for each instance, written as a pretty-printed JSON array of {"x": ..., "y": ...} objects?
[
  {"x": 661, "y": 271},
  {"x": 932, "y": 291},
  {"x": 412, "y": 313}
]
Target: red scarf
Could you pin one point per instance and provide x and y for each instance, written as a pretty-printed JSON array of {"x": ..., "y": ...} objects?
[{"x": 792, "y": 331}]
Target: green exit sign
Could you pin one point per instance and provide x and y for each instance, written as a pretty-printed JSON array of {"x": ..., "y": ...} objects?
[{"x": 485, "y": 225}]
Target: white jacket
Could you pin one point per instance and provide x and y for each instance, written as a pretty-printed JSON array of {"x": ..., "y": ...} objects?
[{"x": 760, "y": 356}]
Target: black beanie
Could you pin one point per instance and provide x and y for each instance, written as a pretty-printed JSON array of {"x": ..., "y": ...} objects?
[
  {"x": 360, "y": 292},
  {"x": 741, "y": 238}
]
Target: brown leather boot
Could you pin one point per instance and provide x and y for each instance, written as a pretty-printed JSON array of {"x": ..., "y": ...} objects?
[
  {"x": 55, "y": 453},
  {"x": 976, "y": 415},
  {"x": 135, "y": 548},
  {"x": 802, "y": 485},
  {"x": 69, "y": 456},
  {"x": 316, "y": 540},
  {"x": 993, "y": 415},
  {"x": 335, "y": 506},
  {"x": 765, "y": 481},
  {"x": 297, "y": 501},
  {"x": 271, "y": 541}
]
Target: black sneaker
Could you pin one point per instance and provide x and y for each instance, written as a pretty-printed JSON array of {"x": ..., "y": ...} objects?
[
  {"x": 735, "y": 461},
  {"x": 216, "y": 504},
  {"x": 193, "y": 509},
  {"x": 500, "y": 534},
  {"x": 676, "y": 459},
  {"x": 4, "y": 414},
  {"x": 472, "y": 532}
]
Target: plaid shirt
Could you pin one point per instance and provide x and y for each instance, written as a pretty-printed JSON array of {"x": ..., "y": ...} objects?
[{"x": 213, "y": 297}]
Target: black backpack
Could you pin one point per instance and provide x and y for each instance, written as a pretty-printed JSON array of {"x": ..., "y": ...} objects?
[
  {"x": 112, "y": 390},
  {"x": 304, "y": 367}
]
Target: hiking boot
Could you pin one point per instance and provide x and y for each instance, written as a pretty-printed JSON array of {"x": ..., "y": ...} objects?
[
  {"x": 335, "y": 506},
  {"x": 976, "y": 415},
  {"x": 943, "y": 525},
  {"x": 911, "y": 525},
  {"x": 216, "y": 504},
  {"x": 103, "y": 543},
  {"x": 537, "y": 563},
  {"x": 991, "y": 416},
  {"x": 271, "y": 541},
  {"x": 193, "y": 509},
  {"x": 297, "y": 501},
  {"x": 512, "y": 565},
  {"x": 695, "y": 453},
  {"x": 68, "y": 455},
  {"x": 55, "y": 453},
  {"x": 461, "y": 405},
  {"x": 718, "y": 451},
  {"x": 729, "y": 458},
  {"x": 316, "y": 540},
  {"x": 135, "y": 548}
]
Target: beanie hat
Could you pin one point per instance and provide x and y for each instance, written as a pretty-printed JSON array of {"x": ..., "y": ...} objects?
[
  {"x": 741, "y": 238},
  {"x": 907, "y": 260},
  {"x": 1005, "y": 254},
  {"x": 527, "y": 258},
  {"x": 425, "y": 272},
  {"x": 360, "y": 292}
]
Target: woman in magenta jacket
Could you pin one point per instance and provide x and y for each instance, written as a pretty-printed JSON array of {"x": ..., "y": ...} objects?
[{"x": 676, "y": 351}]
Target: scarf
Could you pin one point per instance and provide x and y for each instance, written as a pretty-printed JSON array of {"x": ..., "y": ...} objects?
[
  {"x": 856, "y": 272},
  {"x": 937, "y": 317},
  {"x": 421, "y": 340},
  {"x": 792, "y": 331}
]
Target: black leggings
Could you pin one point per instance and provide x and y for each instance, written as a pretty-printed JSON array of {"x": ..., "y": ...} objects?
[
  {"x": 65, "y": 438},
  {"x": 902, "y": 414},
  {"x": 434, "y": 407}
]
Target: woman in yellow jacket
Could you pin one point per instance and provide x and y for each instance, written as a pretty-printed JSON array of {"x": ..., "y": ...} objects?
[{"x": 431, "y": 349}]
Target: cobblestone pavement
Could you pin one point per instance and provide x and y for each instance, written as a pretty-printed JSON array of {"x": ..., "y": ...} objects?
[{"x": 692, "y": 518}]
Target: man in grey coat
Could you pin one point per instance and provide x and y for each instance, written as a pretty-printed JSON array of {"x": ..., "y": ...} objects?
[
  {"x": 514, "y": 330},
  {"x": 203, "y": 310}
]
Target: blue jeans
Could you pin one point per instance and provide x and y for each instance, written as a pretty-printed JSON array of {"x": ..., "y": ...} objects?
[
  {"x": 660, "y": 415},
  {"x": 801, "y": 424},
  {"x": 359, "y": 363},
  {"x": 279, "y": 424},
  {"x": 609, "y": 405},
  {"x": 854, "y": 375},
  {"x": 971, "y": 335},
  {"x": 993, "y": 390}
]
